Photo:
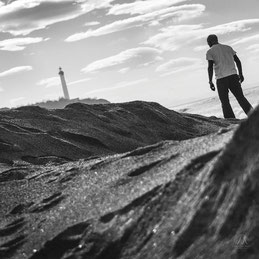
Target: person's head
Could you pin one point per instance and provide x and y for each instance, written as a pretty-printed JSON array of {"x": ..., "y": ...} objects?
[{"x": 212, "y": 40}]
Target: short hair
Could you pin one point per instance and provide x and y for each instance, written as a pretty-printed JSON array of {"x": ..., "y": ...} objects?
[{"x": 212, "y": 38}]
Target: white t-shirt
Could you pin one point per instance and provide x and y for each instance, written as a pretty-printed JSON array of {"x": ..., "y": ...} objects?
[{"x": 223, "y": 57}]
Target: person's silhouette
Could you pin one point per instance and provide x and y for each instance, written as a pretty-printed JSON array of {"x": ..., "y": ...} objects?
[{"x": 223, "y": 59}]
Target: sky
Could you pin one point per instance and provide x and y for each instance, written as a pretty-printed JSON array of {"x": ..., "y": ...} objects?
[{"x": 120, "y": 50}]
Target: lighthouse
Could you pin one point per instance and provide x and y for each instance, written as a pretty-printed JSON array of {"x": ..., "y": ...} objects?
[{"x": 64, "y": 84}]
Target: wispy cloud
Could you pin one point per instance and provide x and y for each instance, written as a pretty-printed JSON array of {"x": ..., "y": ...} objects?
[
  {"x": 201, "y": 48},
  {"x": 118, "y": 86},
  {"x": 254, "y": 48},
  {"x": 94, "y": 23},
  {"x": 55, "y": 81},
  {"x": 131, "y": 83},
  {"x": 16, "y": 100},
  {"x": 234, "y": 42},
  {"x": 79, "y": 81},
  {"x": 131, "y": 58},
  {"x": 17, "y": 44},
  {"x": 245, "y": 40},
  {"x": 142, "y": 7},
  {"x": 173, "y": 38},
  {"x": 179, "y": 65},
  {"x": 15, "y": 70},
  {"x": 179, "y": 13},
  {"x": 124, "y": 70},
  {"x": 49, "y": 82},
  {"x": 25, "y": 16}
]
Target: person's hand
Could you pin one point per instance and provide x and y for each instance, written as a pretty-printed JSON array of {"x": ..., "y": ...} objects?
[
  {"x": 241, "y": 78},
  {"x": 212, "y": 87}
]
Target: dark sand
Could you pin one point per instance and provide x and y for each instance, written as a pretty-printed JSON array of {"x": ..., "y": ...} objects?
[{"x": 189, "y": 190}]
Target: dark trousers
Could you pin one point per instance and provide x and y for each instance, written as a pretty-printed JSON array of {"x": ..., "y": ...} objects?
[{"x": 231, "y": 83}]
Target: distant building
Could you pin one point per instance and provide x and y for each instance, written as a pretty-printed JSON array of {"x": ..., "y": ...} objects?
[{"x": 64, "y": 84}]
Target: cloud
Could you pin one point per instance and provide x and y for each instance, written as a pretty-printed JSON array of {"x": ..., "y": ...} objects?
[
  {"x": 253, "y": 48},
  {"x": 178, "y": 13},
  {"x": 174, "y": 37},
  {"x": 15, "y": 70},
  {"x": 17, "y": 44},
  {"x": 49, "y": 82},
  {"x": 94, "y": 23},
  {"x": 245, "y": 40},
  {"x": 131, "y": 83},
  {"x": 131, "y": 58},
  {"x": 25, "y": 16},
  {"x": 55, "y": 81},
  {"x": 179, "y": 65},
  {"x": 201, "y": 48},
  {"x": 124, "y": 70},
  {"x": 234, "y": 42},
  {"x": 16, "y": 100},
  {"x": 142, "y": 7},
  {"x": 1, "y": 89},
  {"x": 79, "y": 81},
  {"x": 118, "y": 86}
]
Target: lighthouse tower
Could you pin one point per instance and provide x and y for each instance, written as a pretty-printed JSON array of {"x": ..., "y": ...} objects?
[{"x": 64, "y": 84}]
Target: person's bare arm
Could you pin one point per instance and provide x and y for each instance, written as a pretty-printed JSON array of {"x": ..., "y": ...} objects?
[
  {"x": 239, "y": 67},
  {"x": 210, "y": 74}
]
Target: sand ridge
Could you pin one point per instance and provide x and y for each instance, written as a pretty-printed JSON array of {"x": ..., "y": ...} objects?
[
  {"x": 37, "y": 135},
  {"x": 187, "y": 198}
]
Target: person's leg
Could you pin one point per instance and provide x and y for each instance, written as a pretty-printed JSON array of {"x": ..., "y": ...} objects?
[
  {"x": 235, "y": 88},
  {"x": 222, "y": 86}
]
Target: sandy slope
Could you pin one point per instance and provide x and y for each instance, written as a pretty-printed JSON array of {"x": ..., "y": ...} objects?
[
  {"x": 37, "y": 135},
  {"x": 194, "y": 198}
]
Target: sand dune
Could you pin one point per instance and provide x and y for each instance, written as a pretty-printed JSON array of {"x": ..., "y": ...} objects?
[
  {"x": 38, "y": 135},
  {"x": 194, "y": 195}
]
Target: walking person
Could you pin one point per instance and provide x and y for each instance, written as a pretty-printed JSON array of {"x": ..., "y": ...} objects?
[{"x": 223, "y": 58}]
